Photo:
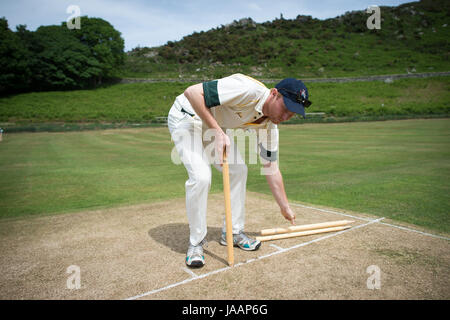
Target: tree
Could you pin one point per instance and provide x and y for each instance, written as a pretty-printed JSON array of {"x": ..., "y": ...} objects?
[
  {"x": 56, "y": 57},
  {"x": 104, "y": 42},
  {"x": 15, "y": 70},
  {"x": 63, "y": 62}
]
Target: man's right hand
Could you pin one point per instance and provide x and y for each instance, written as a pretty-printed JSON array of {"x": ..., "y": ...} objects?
[{"x": 221, "y": 141}]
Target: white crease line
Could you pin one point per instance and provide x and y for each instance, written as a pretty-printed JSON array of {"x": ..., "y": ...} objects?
[
  {"x": 417, "y": 231},
  {"x": 330, "y": 211},
  {"x": 177, "y": 284},
  {"x": 190, "y": 272},
  {"x": 335, "y": 234},
  {"x": 276, "y": 247},
  {"x": 247, "y": 262},
  {"x": 366, "y": 219}
]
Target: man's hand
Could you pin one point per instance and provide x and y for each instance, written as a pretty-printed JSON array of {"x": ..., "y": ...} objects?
[
  {"x": 221, "y": 141},
  {"x": 195, "y": 95},
  {"x": 275, "y": 181},
  {"x": 288, "y": 214}
]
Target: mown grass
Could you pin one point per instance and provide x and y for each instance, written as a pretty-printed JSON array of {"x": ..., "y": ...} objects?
[
  {"x": 142, "y": 102},
  {"x": 45, "y": 173},
  {"x": 394, "y": 169}
]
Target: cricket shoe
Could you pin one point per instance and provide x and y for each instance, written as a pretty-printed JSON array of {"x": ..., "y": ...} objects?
[
  {"x": 242, "y": 241},
  {"x": 194, "y": 256}
]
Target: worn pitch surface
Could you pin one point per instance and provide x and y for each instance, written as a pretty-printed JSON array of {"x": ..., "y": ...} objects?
[{"x": 138, "y": 252}]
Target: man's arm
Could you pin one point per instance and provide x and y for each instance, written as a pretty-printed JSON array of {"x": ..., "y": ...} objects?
[
  {"x": 275, "y": 181},
  {"x": 195, "y": 96}
]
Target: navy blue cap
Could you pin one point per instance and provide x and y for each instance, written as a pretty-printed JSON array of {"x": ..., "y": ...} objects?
[{"x": 295, "y": 95}]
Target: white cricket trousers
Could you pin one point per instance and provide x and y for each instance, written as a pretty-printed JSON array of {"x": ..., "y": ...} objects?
[{"x": 186, "y": 132}]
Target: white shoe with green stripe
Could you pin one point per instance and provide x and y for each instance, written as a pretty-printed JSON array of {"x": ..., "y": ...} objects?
[
  {"x": 242, "y": 241},
  {"x": 194, "y": 256}
]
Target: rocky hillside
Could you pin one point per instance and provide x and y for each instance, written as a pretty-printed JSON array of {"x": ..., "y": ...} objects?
[{"x": 414, "y": 37}]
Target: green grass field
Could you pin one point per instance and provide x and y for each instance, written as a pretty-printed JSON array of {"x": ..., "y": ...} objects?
[{"x": 395, "y": 169}]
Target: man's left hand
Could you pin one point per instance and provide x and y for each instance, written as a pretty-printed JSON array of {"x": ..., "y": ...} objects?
[{"x": 288, "y": 214}]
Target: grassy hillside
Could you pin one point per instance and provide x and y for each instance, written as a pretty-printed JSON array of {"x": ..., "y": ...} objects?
[
  {"x": 142, "y": 102},
  {"x": 414, "y": 37}
]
